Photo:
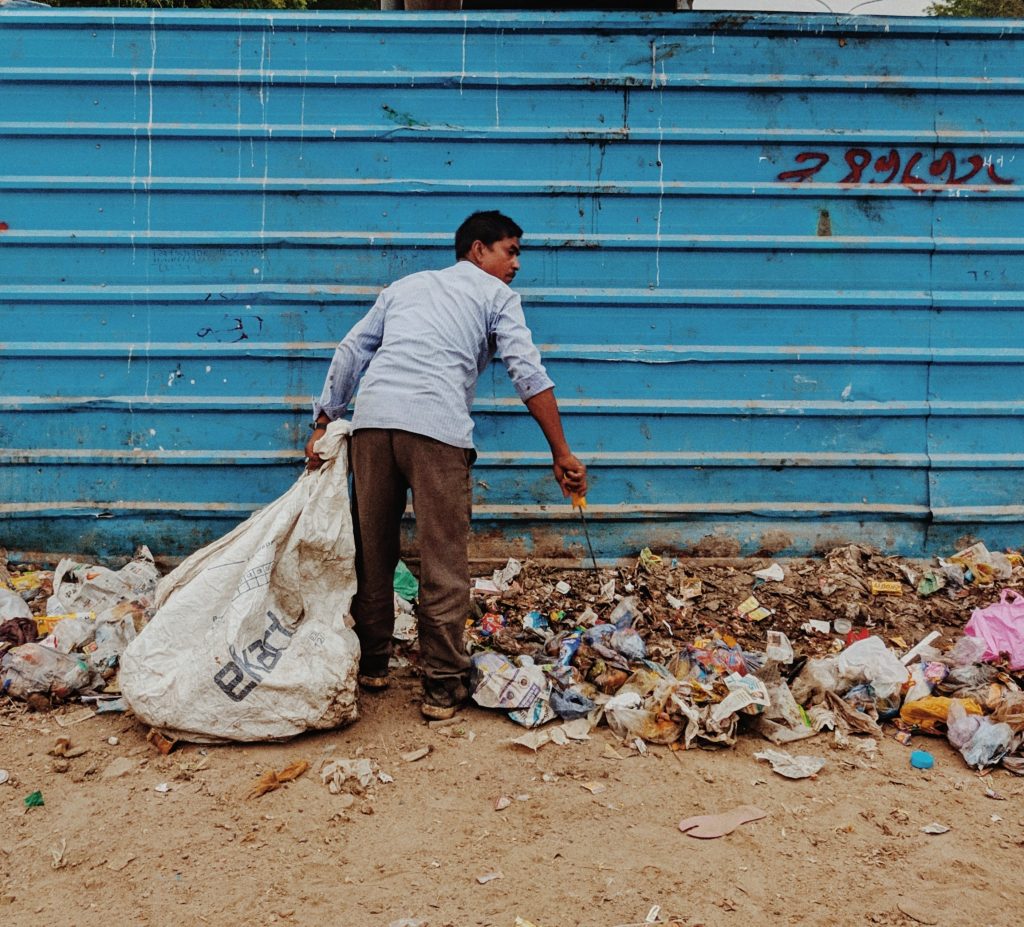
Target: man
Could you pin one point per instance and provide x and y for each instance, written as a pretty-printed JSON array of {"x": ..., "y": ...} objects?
[{"x": 419, "y": 351}]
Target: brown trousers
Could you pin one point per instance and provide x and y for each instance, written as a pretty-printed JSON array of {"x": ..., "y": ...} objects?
[{"x": 386, "y": 464}]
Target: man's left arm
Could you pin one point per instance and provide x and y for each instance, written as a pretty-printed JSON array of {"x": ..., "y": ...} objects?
[{"x": 536, "y": 389}]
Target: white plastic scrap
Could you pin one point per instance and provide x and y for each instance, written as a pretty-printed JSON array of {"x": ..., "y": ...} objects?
[
  {"x": 792, "y": 767},
  {"x": 773, "y": 573},
  {"x": 504, "y": 577},
  {"x": 335, "y": 773},
  {"x": 779, "y": 648}
]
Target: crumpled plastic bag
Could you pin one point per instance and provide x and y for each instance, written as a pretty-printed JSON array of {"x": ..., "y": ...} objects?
[
  {"x": 12, "y": 605},
  {"x": 792, "y": 767},
  {"x": 980, "y": 741},
  {"x": 570, "y": 704},
  {"x": 641, "y": 709},
  {"x": 33, "y": 668},
  {"x": 870, "y": 661},
  {"x": 1010, "y": 710},
  {"x": 1001, "y": 626},
  {"x": 931, "y": 713}
]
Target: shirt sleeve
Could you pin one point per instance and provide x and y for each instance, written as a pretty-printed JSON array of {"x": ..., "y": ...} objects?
[
  {"x": 518, "y": 352},
  {"x": 351, "y": 358}
]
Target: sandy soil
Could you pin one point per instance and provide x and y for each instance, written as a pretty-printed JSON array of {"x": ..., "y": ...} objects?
[{"x": 588, "y": 838}]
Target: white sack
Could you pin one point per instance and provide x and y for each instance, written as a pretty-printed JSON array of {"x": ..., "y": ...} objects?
[{"x": 249, "y": 641}]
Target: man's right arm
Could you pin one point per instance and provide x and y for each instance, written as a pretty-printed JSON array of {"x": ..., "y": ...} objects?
[{"x": 351, "y": 358}]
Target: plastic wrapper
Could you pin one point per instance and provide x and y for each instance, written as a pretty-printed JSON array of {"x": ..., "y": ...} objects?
[
  {"x": 570, "y": 704},
  {"x": 33, "y": 668},
  {"x": 965, "y": 652},
  {"x": 71, "y": 634},
  {"x": 931, "y": 713},
  {"x": 1010, "y": 710},
  {"x": 624, "y": 614},
  {"x": 12, "y": 605},
  {"x": 628, "y": 717},
  {"x": 86, "y": 587},
  {"x": 111, "y": 639},
  {"x": 629, "y": 643},
  {"x": 872, "y": 662},
  {"x": 981, "y": 742},
  {"x": 498, "y": 683}
]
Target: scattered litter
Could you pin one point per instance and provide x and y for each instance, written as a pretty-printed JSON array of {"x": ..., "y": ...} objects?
[
  {"x": 935, "y": 829},
  {"x": 413, "y": 755},
  {"x": 502, "y": 803},
  {"x": 34, "y": 800},
  {"x": 338, "y": 775},
  {"x": 754, "y": 610},
  {"x": 792, "y": 767},
  {"x": 884, "y": 587},
  {"x": 922, "y": 759},
  {"x": 710, "y": 826},
  {"x": 121, "y": 862},
  {"x": 271, "y": 780},
  {"x": 773, "y": 573},
  {"x": 162, "y": 742},
  {"x": 5, "y": 776},
  {"x": 490, "y": 877},
  {"x": 58, "y": 859},
  {"x": 162, "y": 787}
]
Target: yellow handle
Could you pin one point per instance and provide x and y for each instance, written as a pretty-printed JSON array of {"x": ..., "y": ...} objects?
[{"x": 579, "y": 502}]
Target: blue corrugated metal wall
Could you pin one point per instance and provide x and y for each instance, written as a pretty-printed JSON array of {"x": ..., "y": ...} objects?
[{"x": 774, "y": 264}]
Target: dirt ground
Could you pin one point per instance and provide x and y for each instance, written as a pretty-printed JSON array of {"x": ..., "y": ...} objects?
[{"x": 588, "y": 837}]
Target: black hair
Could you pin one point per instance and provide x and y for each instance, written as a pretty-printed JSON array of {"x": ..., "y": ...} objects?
[{"x": 488, "y": 227}]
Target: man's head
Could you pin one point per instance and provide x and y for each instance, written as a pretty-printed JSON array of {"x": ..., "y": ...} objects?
[{"x": 491, "y": 242}]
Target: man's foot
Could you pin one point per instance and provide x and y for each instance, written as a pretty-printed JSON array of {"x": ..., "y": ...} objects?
[
  {"x": 373, "y": 682},
  {"x": 441, "y": 702}
]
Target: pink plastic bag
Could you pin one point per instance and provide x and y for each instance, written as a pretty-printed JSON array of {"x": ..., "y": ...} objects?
[{"x": 1001, "y": 626}]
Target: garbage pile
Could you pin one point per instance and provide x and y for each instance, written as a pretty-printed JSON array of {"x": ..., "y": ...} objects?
[
  {"x": 668, "y": 654},
  {"x": 62, "y": 632}
]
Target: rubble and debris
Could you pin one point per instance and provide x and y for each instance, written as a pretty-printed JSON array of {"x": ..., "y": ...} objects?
[{"x": 664, "y": 651}]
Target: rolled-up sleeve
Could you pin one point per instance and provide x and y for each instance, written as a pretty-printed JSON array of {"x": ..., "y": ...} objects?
[
  {"x": 351, "y": 358},
  {"x": 518, "y": 352}
]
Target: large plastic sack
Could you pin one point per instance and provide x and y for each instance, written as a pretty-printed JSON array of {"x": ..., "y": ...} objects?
[
  {"x": 249, "y": 641},
  {"x": 1001, "y": 626}
]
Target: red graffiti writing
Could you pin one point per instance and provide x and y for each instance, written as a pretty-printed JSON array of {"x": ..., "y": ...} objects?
[{"x": 864, "y": 167}]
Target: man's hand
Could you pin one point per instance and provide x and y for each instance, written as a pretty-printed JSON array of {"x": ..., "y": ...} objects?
[
  {"x": 312, "y": 461},
  {"x": 571, "y": 474}
]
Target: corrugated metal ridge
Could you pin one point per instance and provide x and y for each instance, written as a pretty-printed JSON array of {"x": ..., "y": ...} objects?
[
  {"x": 791, "y": 407},
  {"x": 636, "y": 353},
  {"x": 127, "y": 183},
  {"x": 671, "y": 134},
  {"x": 507, "y": 80},
  {"x": 631, "y": 242},
  {"x": 944, "y": 514},
  {"x": 539, "y": 297},
  {"x": 739, "y": 23},
  {"x": 161, "y": 456},
  {"x": 524, "y": 512}
]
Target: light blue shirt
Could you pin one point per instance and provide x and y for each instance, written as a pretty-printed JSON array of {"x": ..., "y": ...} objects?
[{"x": 421, "y": 349}]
